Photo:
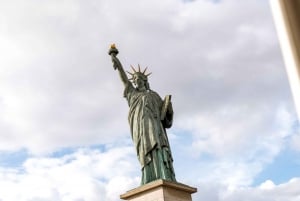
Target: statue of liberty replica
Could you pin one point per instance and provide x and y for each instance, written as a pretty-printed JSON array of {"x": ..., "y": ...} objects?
[{"x": 149, "y": 117}]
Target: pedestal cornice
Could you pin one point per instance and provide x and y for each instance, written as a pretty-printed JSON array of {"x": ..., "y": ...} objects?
[{"x": 163, "y": 185}]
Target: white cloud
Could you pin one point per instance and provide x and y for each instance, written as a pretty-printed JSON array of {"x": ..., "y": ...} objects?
[
  {"x": 267, "y": 185},
  {"x": 83, "y": 175},
  {"x": 295, "y": 139},
  {"x": 295, "y": 142},
  {"x": 286, "y": 191},
  {"x": 267, "y": 191},
  {"x": 89, "y": 174},
  {"x": 232, "y": 154}
]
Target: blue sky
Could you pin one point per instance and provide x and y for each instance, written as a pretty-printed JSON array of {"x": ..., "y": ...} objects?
[
  {"x": 64, "y": 133},
  {"x": 284, "y": 167}
]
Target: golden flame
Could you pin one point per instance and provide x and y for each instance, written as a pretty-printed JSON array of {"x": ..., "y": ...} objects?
[{"x": 113, "y": 46}]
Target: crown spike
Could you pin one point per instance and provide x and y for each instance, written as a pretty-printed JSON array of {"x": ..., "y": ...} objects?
[
  {"x": 148, "y": 74},
  {"x": 145, "y": 70},
  {"x": 139, "y": 67},
  {"x": 133, "y": 68},
  {"x": 129, "y": 73}
]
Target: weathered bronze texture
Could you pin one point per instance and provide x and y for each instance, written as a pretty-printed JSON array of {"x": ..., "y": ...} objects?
[{"x": 148, "y": 117}]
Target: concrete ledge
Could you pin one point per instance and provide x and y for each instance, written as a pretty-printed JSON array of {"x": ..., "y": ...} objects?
[{"x": 160, "y": 190}]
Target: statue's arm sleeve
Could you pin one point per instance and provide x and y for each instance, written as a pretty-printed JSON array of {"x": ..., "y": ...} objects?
[
  {"x": 117, "y": 65},
  {"x": 128, "y": 91}
]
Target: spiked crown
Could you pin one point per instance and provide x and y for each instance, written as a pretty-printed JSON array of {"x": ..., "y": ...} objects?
[{"x": 138, "y": 72}]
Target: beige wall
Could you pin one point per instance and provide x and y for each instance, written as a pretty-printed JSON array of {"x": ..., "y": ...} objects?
[{"x": 286, "y": 15}]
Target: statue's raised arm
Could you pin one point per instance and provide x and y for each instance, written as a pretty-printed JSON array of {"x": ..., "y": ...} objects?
[{"x": 113, "y": 52}]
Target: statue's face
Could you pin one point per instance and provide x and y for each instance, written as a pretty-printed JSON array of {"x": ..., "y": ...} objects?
[{"x": 138, "y": 81}]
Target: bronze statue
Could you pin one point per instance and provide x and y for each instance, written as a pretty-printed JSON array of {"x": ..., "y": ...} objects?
[{"x": 149, "y": 116}]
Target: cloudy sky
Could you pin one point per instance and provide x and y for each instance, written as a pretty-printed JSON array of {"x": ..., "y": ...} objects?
[{"x": 64, "y": 134}]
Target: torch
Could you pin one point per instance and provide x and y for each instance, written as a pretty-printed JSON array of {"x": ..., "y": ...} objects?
[{"x": 113, "y": 52}]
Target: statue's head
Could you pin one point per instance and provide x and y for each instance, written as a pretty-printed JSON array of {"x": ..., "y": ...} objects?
[{"x": 140, "y": 78}]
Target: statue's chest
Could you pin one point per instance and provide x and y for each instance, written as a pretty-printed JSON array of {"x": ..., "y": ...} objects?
[{"x": 145, "y": 99}]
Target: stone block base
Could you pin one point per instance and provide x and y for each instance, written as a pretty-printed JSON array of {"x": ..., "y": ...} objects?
[{"x": 160, "y": 190}]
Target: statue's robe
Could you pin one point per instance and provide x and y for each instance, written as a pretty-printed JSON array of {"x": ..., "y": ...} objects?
[{"x": 149, "y": 134}]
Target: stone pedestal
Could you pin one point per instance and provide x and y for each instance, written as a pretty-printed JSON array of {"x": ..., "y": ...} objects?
[{"x": 160, "y": 190}]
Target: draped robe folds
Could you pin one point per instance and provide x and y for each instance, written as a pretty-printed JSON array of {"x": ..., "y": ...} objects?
[{"x": 149, "y": 134}]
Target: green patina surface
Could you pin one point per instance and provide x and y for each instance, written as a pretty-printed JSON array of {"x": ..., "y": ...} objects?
[{"x": 148, "y": 117}]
